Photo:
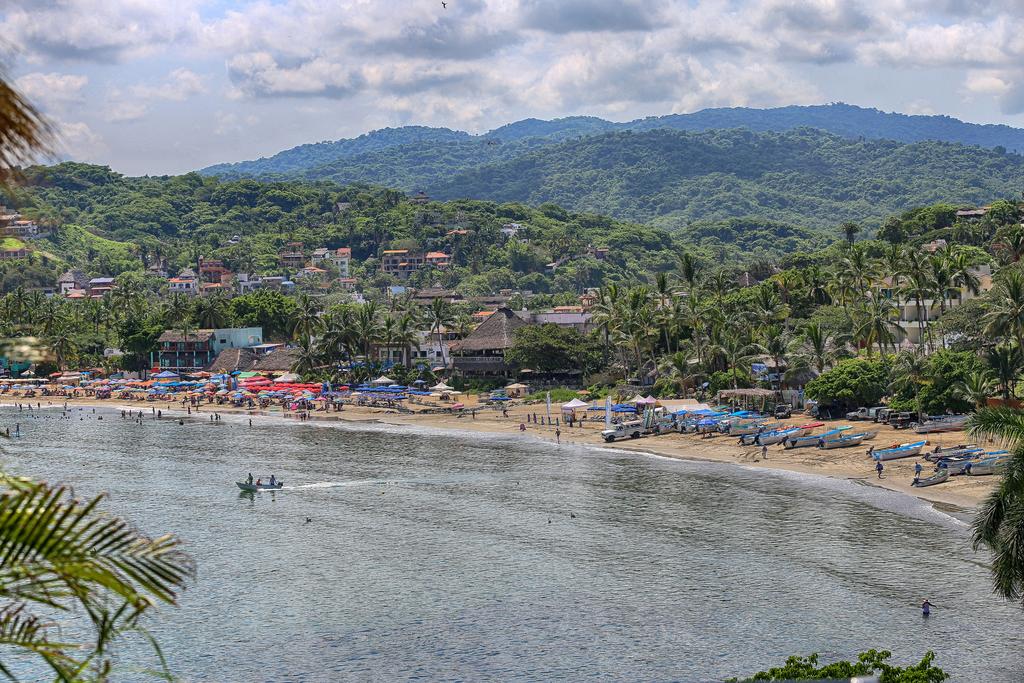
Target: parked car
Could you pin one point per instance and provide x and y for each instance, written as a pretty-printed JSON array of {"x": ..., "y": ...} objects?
[
  {"x": 882, "y": 416},
  {"x": 864, "y": 413},
  {"x": 625, "y": 430},
  {"x": 783, "y": 410},
  {"x": 902, "y": 420}
]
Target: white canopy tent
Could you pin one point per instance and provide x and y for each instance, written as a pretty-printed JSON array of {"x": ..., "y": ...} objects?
[
  {"x": 441, "y": 386},
  {"x": 383, "y": 380}
]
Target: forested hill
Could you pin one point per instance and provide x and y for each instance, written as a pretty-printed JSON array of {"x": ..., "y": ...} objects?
[
  {"x": 806, "y": 177},
  {"x": 840, "y": 119}
]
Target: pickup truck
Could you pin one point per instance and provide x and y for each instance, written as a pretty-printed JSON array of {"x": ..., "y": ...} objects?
[
  {"x": 864, "y": 413},
  {"x": 625, "y": 430}
]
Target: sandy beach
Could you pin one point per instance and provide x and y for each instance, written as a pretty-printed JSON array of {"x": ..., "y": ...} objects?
[{"x": 848, "y": 463}]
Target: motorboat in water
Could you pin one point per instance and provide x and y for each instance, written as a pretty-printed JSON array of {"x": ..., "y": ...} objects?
[{"x": 276, "y": 486}]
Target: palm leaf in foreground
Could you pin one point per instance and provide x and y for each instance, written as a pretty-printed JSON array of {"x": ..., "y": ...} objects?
[
  {"x": 999, "y": 524},
  {"x": 59, "y": 555}
]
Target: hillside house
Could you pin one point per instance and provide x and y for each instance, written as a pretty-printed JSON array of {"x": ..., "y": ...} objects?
[
  {"x": 400, "y": 262},
  {"x": 211, "y": 270},
  {"x": 98, "y": 286},
  {"x": 437, "y": 259},
  {"x": 182, "y": 285},
  {"x": 72, "y": 279},
  {"x": 341, "y": 259},
  {"x": 419, "y": 198},
  {"x": 914, "y": 321}
]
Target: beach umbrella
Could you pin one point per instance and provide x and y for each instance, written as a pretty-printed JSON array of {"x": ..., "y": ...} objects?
[
  {"x": 165, "y": 374},
  {"x": 383, "y": 380},
  {"x": 440, "y": 386}
]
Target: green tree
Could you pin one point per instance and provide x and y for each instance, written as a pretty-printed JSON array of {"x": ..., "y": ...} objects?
[
  {"x": 852, "y": 383},
  {"x": 872, "y": 662},
  {"x": 549, "y": 348}
]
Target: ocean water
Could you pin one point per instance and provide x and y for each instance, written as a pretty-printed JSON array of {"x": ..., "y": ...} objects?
[{"x": 469, "y": 557}]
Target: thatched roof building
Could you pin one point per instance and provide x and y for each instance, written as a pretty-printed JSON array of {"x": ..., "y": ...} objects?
[
  {"x": 483, "y": 351},
  {"x": 279, "y": 360},
  {"x": 230, "y": 360}
]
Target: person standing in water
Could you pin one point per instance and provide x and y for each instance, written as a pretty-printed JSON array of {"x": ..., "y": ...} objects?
[{"x": 926, "y": 608}]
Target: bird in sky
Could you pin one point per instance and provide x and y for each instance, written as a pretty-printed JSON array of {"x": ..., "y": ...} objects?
[{"x": 444, "y": 4}]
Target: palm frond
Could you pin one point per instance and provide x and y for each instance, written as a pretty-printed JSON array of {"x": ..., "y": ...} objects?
[{"x": 1005, "y": 425}]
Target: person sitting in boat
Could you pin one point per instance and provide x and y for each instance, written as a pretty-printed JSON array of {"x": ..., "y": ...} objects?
[
  {"x": 273, "y": 481},
  {"x": 259, "y": 482}
]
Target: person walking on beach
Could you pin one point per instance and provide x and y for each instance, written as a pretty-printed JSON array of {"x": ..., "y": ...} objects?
[
  {"x": 558, "y": 435},
  {"x": 917, "y": 470},
  {"x": 871, "y": 450},
  {"x": 522, "y": 426},
  {"x": 764, "y": 452},
  {"x": 878, "y": 468}
]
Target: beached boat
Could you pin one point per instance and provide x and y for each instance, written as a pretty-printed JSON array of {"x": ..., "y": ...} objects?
[
  {"x": 843, "y": 442},
  {"x": 907, "y": 450},
  {"x": 815, "y": 439},
  {"x": 988, "y": 465},
  {"x": 936, "y": 456},
  {"x": 937, "y": 478},
  {"x": 260, "y": 487},
  {"x": 771, "y": 437},
  {"x": 944, "y": 423},
  {"x": 744, "y": 429}
]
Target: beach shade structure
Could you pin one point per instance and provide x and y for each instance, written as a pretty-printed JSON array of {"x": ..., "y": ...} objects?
[
  {"x": 419, "y": 381},
  {"x": 441, "y": 386},
  {"x": 166, "y": 374},
  {"x": 648, "y": 401},
  {"x": 575, "y": 404},
  {"x": 636, "y": 399},
  {"x": 382, "y": 380},
  {"x": 287, "y": 378}
]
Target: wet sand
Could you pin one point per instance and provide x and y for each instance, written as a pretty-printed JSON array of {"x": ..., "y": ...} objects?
[{"x": 846, "y": 463}]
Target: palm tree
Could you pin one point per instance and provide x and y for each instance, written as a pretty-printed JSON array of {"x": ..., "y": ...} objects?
[
  {"x": 1010, "y": 246},
  {"x": 62, "y": 344},
  {"x": 60, "y": 555},
  {"x": 963, "y": 273},
  {"x": 999, "y": 524},
  {"x": 817, "y": 348},
  {"x": 976, "y": 387},
  {"x": 911, "y": 372},
  {"x": 211, "y": 312},
  {"x": 24, "y": 132},
  {"x": 1005, "y": 316},
  {"x": 919, "y": 288},
  {"x": 1005, "y": 361},
  {"x": 776, "y": 343},
  {"x": 738, "y": 352},
  {"x": 877, "y": 322},
  {"x": 367, "y": 327},
  {"x": 688, "y": 269},
  {"x": 406, "y": 335},
  {"x": 894, "y": 262},
  {"x": 308, "y": 359},
  {"x": 306, "y": 318},
  {"x": 850, "y": 230},
  {"x": 680, "y": 370},
  {"x": 440, "y": 315}
]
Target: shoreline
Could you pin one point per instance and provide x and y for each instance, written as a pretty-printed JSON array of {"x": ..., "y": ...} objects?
[{"x": 962, "y": 494}]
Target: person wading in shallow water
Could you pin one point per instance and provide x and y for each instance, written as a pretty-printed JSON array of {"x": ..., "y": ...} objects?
[{"x": 926, "y": 608}]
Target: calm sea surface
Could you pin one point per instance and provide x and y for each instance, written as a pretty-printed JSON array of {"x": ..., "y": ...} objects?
[{"x": 455, "y": 558}]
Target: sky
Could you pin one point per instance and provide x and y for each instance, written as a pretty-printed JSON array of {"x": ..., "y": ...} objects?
[{"x": 158, "y": 86}]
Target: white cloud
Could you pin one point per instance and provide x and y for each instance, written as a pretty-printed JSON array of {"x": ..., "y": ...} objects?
[
  {"x": 98, "y": 30},
  {"x": 481, "y": 63},
  {"x": 52, "y": 90}
]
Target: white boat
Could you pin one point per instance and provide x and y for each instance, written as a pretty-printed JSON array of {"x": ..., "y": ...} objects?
[
  {"x": 815, "y": 439},
  {"x": 843, "y": 442},
  {"x": 988, "y": 465},
  {"x": 907, "y": 450},
  {"x": 946, "y": 423},
  {"x": 937, "y": 478},
  {"x": 767, "y": 438},
  {"x": 260, "y": 487}
]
